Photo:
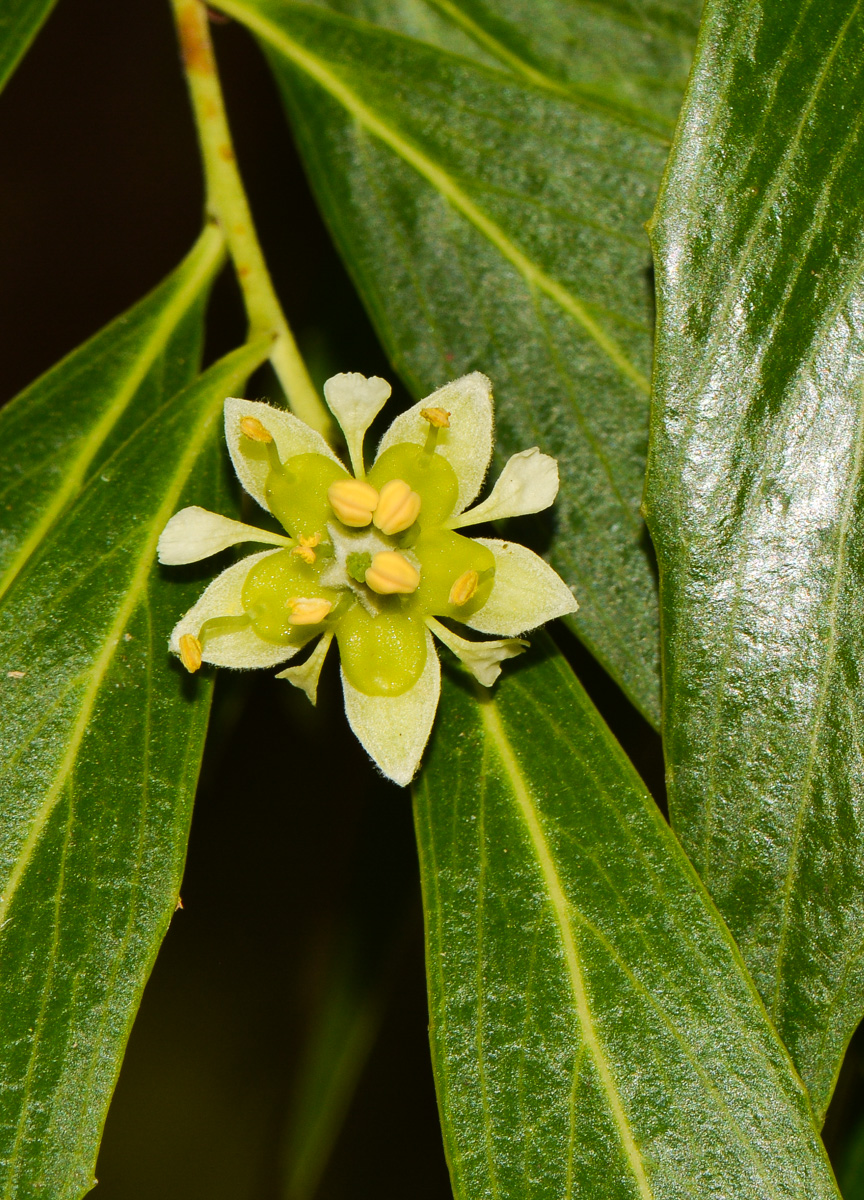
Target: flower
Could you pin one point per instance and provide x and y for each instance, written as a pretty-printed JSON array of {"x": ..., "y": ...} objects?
[{"x": 372, "y": 558}]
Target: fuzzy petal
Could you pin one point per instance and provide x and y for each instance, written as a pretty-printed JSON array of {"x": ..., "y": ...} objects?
[
  {"x": 195, "y": 533},
  {"x": 467, "y": 444},
  {"x": 223, "y": 598},
  {"x": 355, "y": 402},
  {"x": 526, "y": 592},
  {"x": 483, "y": 659},
  {"x": 291, "y": 435},
  {"x": 394, "y": 730},
  {"x": 528, "y": 484},
  {"x": 306, "y": 676}
]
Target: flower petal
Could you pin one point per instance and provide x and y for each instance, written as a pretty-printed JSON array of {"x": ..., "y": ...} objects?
[
  {"x": 467, "y": 443},
  {"x": 394, "y": 730},
  {"x": 306, "y": 676},
  {"x": 291, "y": 435},
  {"x": 194, "y": 533},
  {"x": 526, "y": 592},
  {"x": 483, "y": 659},
  {"x": 355, "y": 402},
  {"x": 241, "y": 648},
  {"x": 528, "y": 484}
]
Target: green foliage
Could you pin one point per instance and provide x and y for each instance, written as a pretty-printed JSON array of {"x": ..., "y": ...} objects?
[
  {"x": 756, "y": 505},
  {"x": 19, "y": 24},
  {"x": 593, "y": 1030},
  {"x": 504, "y": 233},
  {"x": 101, "y": 739}
]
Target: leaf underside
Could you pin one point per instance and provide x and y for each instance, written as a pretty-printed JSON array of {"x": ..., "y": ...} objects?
[
  {"x": 756, "y": 504},
  {"x": 102, "y": 736},
  {"x": 491, "y": 212},
  {"x": 594, "y": 1033}
]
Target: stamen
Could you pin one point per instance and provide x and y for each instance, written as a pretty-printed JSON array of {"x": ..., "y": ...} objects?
[
  {"x": 465, "y": 588},
  {"x": 252, "y": 428},
  {"x": 392, "y": 573},
  {"x": 190, "y": 652},
  {"x": 308, "y": 611},
  {"x": 304, "y": 548},
  {"x": 398, "y": 507},
  {"x": 353, "y": 501},
  {"x": 438, "y": 418}
]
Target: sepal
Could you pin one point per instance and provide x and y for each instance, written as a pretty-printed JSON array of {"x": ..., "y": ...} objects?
[{"x": 526, "y": 592}]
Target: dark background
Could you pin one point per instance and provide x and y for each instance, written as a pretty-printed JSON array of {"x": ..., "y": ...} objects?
[{"x": 301, "y": 860}]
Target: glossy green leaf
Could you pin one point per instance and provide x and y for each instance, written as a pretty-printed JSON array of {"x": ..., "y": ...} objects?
[
  {"x": 20, "y": 21},
  {"x": 594, "y": 1033},
  {"x": 492, "y": 218},
  {"x": 56, "y": 433},
  {"x": 756, "y": 503},
  {"x": 102, "y": 738}
]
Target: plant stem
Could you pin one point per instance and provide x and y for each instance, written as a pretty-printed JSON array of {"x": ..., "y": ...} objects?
[{"x": 227, "y": 205}]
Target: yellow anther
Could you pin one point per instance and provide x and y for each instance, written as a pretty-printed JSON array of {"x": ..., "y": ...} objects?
[
  {"x": 439, "y": 417},
  {"x": 465, "y": 588},
  {"x": 353, "y": 501},
  {"x": 391, "y": 572},
  {"x": 398, "y": 507},
  {"x": 304, "y": 547},
  {"x": 253, "y": 429},
  {"x": 190, "y": 652},
  {"x": 306, "y": 611}
]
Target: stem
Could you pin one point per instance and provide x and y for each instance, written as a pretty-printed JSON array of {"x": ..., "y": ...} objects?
[{"x": 226, "y": 204}]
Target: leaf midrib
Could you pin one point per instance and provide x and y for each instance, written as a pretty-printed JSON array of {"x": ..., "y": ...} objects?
[
  {"x": 533, "y": 275},
  {"x": 207, "y": 250}
]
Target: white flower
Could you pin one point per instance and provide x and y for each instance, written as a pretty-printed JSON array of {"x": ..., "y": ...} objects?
[{"x": 372, "y": 559}]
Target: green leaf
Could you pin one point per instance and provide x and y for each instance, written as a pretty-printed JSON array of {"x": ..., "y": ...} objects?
[
  {"x": 850, "y": 1173},
  {"x": 20, "y": 21},
  {"x": 101, "y": 747},
  {"x": 756, "y": 504},
  {"x": 494, "y": 221},
  {"x": 58, "y": 431},
  {"x": 594, "y": 1032}
]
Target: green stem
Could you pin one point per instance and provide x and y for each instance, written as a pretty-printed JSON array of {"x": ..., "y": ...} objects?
[{"x": 228, "y": 207}]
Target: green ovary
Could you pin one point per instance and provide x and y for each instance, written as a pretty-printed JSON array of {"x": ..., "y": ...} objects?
[
  {"x": 269, "y": 586},
  {"x": 429, "y": 475},
  {"x": 382, "y": 655},
  {"x": 444, "y": 556},
  {"x": 297, "y": 494}
]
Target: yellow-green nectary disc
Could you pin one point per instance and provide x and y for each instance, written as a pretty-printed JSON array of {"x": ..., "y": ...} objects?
[
  {"x": 429, "y": 475},
  {"x": 382, "y": 655},
  {"x": 298, "y": 494},
  {"x": 445, "y": 556},
  {"x": 271, "y": 584}
]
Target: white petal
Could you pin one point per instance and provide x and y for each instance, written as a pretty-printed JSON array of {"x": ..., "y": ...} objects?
[
  {"x": 291, "y": 435},
  {"x": 195, "y": 533},
  {"x": 306, "y": 676},
  {"x": 528, "y": 484},
  {"x": 526, "y": 592},
  {"x": 223, "y": 598},
  {"x": 483, "y": 659},
  {"x": 467, "y": 444},
  {"x": 394, "y": 730},
  {"x": 355, "y": 402}
]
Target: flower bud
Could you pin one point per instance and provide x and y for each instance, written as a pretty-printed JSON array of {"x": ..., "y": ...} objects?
[
  {"x": 353, "y": 501},
  {"x": 305, "y": 611},
  {"x": 391, "y": 572},
  {"x": 398, "y": 507}
]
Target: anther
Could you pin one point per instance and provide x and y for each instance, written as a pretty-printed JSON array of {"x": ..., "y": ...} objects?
[
  {"x": 190, "y": 652},
  {"x": 437, "y": 417},
  {"x": 306, "y": 611},
  {"x": 398, "y": 507},
  {"x": 304, "y": 548},
  {"x": 253, "y": 429},
  {"x": 353, "y": 501},
  {"x": 465, "y": 588},
  {"x": 392, "y": 573}
]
